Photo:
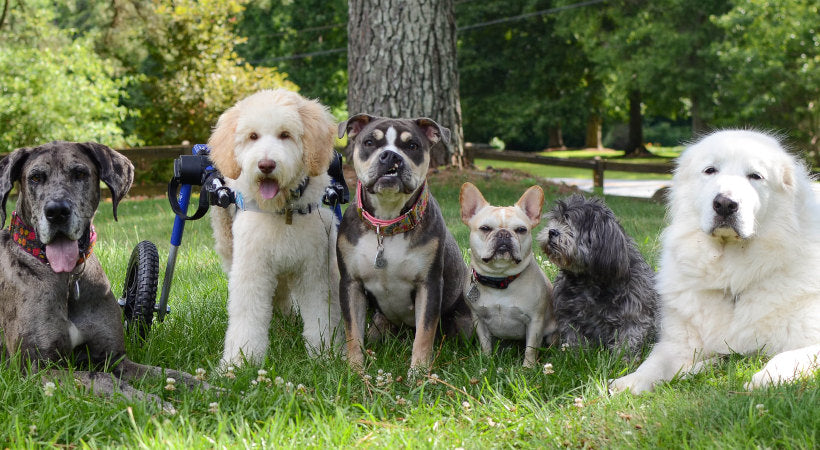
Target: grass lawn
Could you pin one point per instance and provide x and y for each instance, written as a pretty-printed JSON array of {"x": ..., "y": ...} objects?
[{"x": 477, "y": 402}]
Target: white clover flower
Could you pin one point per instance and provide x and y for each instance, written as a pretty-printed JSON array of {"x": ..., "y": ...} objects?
[
  {"x": 49, "y": 388},
  {"x": 465, "y": 405},
  {"x": 400, "y": 400},
  {"x": 761, "y": 409},
  {"x": 32, "y": 429},
  {"x": 564, "y": 347},
  {"x": 229, "y": 372},
  {"x": 482, "y": 371},
  {"x": 261, "y": 372},
  {"x": 301, "y": 388},
  {"x": 579, "y": 402},
  {"x": 170, "y": 384},
  {"x": 289, "y": 386},
  {"x": 278, "y": 381},
  {"x": 200, "y": 374},
  {"x": 213, "y": 407},
  {"x": 548, "y": 369}
]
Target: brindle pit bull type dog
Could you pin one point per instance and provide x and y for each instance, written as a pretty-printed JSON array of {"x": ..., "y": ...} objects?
[
  {"x": 394, "y": 250},
  {"x": 55, "y": 300}
]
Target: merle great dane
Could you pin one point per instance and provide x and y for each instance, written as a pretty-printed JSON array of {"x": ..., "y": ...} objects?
[{"x": 55, "y": 300}]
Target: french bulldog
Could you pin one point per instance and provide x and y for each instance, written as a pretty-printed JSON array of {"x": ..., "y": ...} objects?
[
  {"x": 509, "y": 295},
  {"x": 394, "y": 250}
]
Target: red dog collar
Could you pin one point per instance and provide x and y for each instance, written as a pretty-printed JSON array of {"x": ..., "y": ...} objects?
[
  {"x": 401, "y": 224},
  {"x": 26, "y": 238}
]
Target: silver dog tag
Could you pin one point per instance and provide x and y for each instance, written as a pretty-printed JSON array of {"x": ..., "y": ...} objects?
[
  {"x": 380, "y": 262},
  {"x": 473, "y": 293},
  {"x": 75, "y": 292}
]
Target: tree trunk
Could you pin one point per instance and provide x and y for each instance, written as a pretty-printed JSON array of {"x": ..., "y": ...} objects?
[
  {"x": 593, "y": 139},
  {"x": 698, "y": 124},
  {"x": 401, "y": 62},
  {"x": 556, "y": 138},
  {"x": 634, "y": 146}
]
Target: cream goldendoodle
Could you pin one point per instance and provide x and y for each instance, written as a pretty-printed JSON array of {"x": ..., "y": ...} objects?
[
  {"x": 739, "y": 265},
  {"x": 278, "y": 244}
]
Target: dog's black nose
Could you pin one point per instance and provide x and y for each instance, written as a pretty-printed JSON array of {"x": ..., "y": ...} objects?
[
  {"x": 57, "y": 211},
  {"x": 503, "y": 234},
  {"x": 724, "y": 206},
  {"x": 390, "y": 158},
  {"x": 553, "y": 233},
  {"x": 266, "y": 165}
]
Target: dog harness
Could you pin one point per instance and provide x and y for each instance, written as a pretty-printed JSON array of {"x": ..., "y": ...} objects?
[
  {"x": 243, "y": 204},
  {"x": 26, "y": 238},
  {"x": 401, "y": 224}
]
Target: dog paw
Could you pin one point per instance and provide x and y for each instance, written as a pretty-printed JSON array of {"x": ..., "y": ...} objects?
[
  {"x": 633, "y": 383},
  {"x": 786, "y": 367}
]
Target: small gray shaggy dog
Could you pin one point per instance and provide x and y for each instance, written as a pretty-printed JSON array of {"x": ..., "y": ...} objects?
[{"x": 604, "y": 293}]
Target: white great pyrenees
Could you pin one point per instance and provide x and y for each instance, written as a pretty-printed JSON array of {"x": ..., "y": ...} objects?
[{"x": 740, "y": 263}]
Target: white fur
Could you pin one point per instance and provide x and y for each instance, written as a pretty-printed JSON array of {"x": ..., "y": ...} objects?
[
  {"x": 272, "y": 264},
  {"x": 753, "y": 288}
]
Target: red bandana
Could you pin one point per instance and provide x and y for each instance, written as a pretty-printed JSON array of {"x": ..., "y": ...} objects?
[{"x": 26, "y": 238}]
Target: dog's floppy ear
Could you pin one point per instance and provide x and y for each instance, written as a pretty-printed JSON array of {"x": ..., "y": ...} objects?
[
  {"x": 435, "y": 132},
  {"x": 531, "y": 203},
  {"x": 471, "y": 201},
  {"x": 608, "y": 247},
  {"x": 116, "y": 171},
  {"x": 10, "y": 169},
  {"x": 317, "y": 140},
  {"x": 353, "y": 125},
  {"x": 223, "y": 142}
]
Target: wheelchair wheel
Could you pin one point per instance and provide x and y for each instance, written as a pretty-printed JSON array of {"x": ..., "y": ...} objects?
[{"x": 140, "y": 289}]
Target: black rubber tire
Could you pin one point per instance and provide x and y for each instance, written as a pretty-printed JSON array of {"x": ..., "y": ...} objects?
[{"x": 140, "y": 289}]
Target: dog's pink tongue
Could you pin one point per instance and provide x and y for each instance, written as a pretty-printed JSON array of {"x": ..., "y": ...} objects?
[
  {"x": 62, "y": 254},
  {"x": 268, "y": 188}
]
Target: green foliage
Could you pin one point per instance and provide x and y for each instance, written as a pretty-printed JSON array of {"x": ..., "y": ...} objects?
[
  {"x": 285, "y": 32},
  {"x": 53, "y": 85},
  {"x": 519, "y": 79},
  {"x": 772, "y": 81},
  {"x": 192, "y": 73}
]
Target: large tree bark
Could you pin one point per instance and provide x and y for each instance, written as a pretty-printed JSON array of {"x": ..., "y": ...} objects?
[
  {"x": 402, "y": 63},
  {"x": 634, "y": 146},
  {"x": 556, "y": 138},
  {"x": 593, "y": 138}
]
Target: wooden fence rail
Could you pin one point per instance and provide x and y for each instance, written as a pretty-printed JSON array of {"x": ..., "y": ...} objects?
[{"x": 597, "y": 165}]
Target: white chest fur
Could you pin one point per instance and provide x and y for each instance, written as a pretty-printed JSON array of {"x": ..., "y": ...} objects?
[{"x": 393, "y": 286}]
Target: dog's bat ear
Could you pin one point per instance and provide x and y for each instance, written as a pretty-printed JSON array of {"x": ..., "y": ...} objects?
[
  {"x": 11, "y": 168},
  {"x": 115, "y": 170},
  {"x": 435, "y": 132},
  {"x": 608, "y": 248},
  {"x": 222, "y": 144},
  {"x": 318, "y": 139},
  {"x": 531, "y": 203},
  {"x": 471, "y": 201},
  {"x": 353, "y": 125}
]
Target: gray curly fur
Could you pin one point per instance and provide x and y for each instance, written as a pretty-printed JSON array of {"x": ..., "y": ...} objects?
[{"x": 604, "y": 293}]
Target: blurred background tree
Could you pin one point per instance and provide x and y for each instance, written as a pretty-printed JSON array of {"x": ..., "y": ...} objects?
[{"x": 534, "y": 74}]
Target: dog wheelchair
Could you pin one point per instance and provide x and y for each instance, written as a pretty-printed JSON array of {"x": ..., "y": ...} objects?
[{"x": 138, "y": 301}]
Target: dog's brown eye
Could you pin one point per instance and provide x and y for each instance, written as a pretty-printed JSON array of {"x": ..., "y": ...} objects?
[
  {"x": 521, "y": 230},
  {"x": 413, "y": 146},
  {"x": 284, "y": 135},
  {"x": 755, "y": 176},
  {"x": 485, "y": 228},
  {"x": 368, "y": 142},
  {"x": 710, "y": 170},
  {"x": 79, "y": 174},
  {"x": 35, "y": 178},
  {"x": 253, "y": 136}
]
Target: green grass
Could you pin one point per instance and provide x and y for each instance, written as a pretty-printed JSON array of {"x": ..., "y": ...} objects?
[{"x": 481, "y": 402}]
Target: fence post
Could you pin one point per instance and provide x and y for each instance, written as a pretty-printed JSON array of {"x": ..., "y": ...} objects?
[{"x": 598, "y": 173}]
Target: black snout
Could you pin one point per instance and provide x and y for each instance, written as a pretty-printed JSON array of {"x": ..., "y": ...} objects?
[
  {"x": 724, "y": 206},
  {"x": 553, "y": 233},
  {"x": 503, "y": 235},
  {"x": 57, "y": 211},
  {"x": 390, "y": 158}
]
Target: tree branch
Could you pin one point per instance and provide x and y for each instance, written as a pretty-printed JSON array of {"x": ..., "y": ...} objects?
[{"x": 5, "y": 11}]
